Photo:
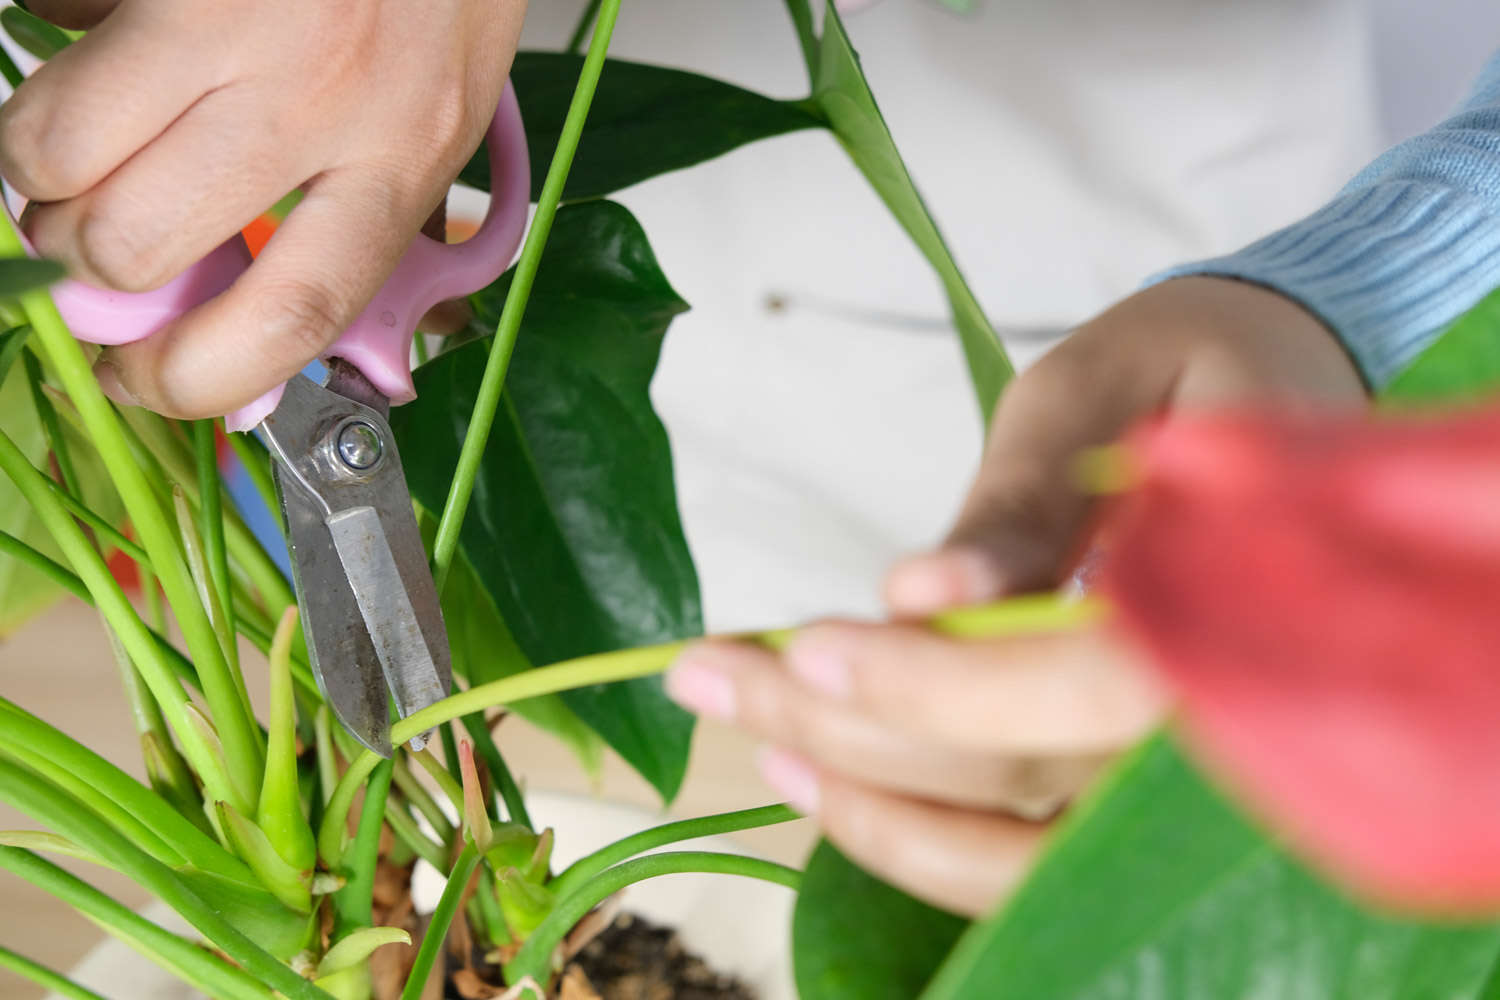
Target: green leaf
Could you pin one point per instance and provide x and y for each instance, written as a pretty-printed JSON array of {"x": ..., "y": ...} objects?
[
  {"x": 38, "y": 37},
  {"x": 1158, "y": 889},
  {"x": 359, "y": 945},
  {"x": 575, "y": 532},
  {"x": 842, "y": 95},
  {"x": 24, "y": 592},
  {"x": 645, "y": 120},
  {"x": 19, "y": 275},
  {"x": 1461, "y": 366},
  {"x": 856, "y": 938},
  {"x": 249, "y": 841}
]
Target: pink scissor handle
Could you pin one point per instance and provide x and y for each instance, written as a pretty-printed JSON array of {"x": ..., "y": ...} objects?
[{"x": 378, "y": 342}]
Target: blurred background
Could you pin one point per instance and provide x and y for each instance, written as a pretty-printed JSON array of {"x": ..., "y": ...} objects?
[{"x": 821, "y": 419}]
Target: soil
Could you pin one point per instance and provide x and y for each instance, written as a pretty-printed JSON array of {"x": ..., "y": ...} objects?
[
  {"x": 631, "y": 959},
  {"x": 634, "y": 959}
]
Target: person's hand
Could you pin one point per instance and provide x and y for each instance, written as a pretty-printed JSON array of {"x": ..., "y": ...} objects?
[
  {"x": 938, "y": 763},
  {"x": 174, "y": 123}
]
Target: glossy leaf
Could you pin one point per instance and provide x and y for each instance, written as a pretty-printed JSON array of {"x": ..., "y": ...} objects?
[
  {"x": 574, "y": 530},
  {"x": 359, "y": 945},
  {"x": 19, "y": 275},
  {"x": 484, "y": 651},
  {"x": 644, "y": 121},
  {"x": 1461, "y": 366},
  {"x": 856, "y": 938},
  {"x": 843, "y": 96},
  {"x": 1158, "y": 890}
]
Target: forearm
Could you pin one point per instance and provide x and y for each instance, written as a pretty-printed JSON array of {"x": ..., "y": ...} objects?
[{"x": 1406, "y": 248}]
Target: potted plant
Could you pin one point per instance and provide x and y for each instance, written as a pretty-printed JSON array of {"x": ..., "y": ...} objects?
[{"x": 288, "y": 850}]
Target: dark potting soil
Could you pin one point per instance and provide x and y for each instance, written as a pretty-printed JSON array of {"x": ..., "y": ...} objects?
[{"x": 634, "y": 959}]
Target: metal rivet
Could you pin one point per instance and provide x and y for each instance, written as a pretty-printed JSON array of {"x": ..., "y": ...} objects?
[{"x": 359, "y": 445}]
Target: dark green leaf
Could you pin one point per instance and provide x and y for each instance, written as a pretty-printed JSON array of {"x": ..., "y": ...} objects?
[
  {"x": 36, "y": 36},
  {"x": 843, "y": 96},
  {"x": 574, "y": 530},
  {"x": 645, "y": 120},
  {"x": 19, "y": 275},
  {"x": 1461, "y": 366},
  {"x": 856, "y": 938},
  {"x": 1158, "y": 890}
]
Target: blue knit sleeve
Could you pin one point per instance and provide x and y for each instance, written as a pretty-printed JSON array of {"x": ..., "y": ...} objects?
[{"x": 1409, "y": 246}]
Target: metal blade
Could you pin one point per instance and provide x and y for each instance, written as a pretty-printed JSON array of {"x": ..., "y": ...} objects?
[
  {"x": 338, "y": 644},
  {"x": 371, "y": 554}
]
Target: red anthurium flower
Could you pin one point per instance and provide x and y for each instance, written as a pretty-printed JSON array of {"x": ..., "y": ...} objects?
[{"x": 1324, "y": 593}]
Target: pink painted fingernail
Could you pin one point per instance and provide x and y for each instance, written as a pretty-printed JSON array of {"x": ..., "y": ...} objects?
[
  {"x": 822, "y": 663},
  {"x": 108, "y": 377},
  {"x": 791, "y": 777},
  {"x": 698, "y": 684}
]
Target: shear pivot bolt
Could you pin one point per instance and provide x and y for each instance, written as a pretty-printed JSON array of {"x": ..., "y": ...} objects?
[{"x": 359, "y": 445}]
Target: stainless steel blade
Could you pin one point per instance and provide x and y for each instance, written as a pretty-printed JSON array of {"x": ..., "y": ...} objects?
[{"x": 368, "y": 528}]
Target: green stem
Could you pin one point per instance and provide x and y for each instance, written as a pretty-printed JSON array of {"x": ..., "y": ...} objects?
[
  {"x": 132, "y": 809},
  {"x": 223, "y": 683},
  {"x": 581, "y": 29},
  {"x": 198, "y": 966},
  {"x": 802, "y": 20},
  {"x": 353, "y": 904},
  {"x": 67, "y": 360},
  {"x": 410, "y": 787},
  {"x": 483, "y": 416},
  {"x": 139, "y": 641},
  {"x": 437, "y": 928},
  {"x": 257, "y": 464},
  {"x": 1017, "y": 616},
  {"x": 211, "y": 518},
  {"x": 36, "y": 797},
  {"x": 50, "y": 426},
  {"x": 12, "y": 342},
  {"x": 588, "y": 867},
  {"x": 535, "y": 955},
  {"x": 106, "y": 531},
  {"x": 406, "y": 831},
  {"x": 13, "y": 546},
  {"x": 43, "y": 976}
]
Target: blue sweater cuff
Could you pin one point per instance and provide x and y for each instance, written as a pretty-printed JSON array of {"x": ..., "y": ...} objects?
[{"x": 1410, "y": 246}]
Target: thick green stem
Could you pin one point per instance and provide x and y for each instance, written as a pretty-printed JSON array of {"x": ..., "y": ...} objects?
[
  {"x": 483, "y": 417},
  {"x": 112, "y": 603},
  {"x": 423, "y": 801},
  {"x": 44, "y": 977},
  {"x": 197, "y": 966},
  {"x": 66, "y": 358},
  {"x": 442, "y": 918},
  {"x": 534, "y": 958},
  {"x": 353, "y": 905},
  {"x": 591, "y": 865},
  {"x": 406, "y": 831},
  {"x": 106, "y": 532}
]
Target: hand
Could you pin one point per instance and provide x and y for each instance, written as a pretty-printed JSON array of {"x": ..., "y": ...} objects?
[
  {"x": 174, "y": 123},
  {"x": 937, "y": 763}
]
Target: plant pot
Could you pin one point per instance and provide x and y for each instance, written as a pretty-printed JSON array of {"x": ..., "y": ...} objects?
[{"x": 739, "y": 926}]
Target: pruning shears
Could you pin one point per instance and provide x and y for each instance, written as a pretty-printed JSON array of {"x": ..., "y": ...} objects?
[{"x": 368, "y": 604}]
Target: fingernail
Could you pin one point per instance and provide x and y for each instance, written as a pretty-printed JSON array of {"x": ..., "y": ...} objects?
[
  {"x": 941, "y": 580},
  {"x": 821, "y": 661},
  {"x": 108, "y": 377},
  {"x": 791, "y": 778},
  {"x": 698, "y": 684}
]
